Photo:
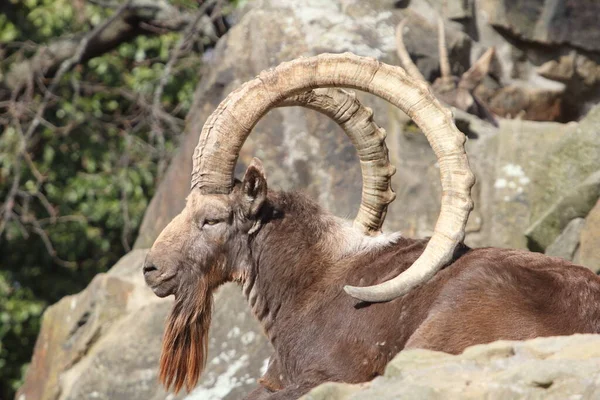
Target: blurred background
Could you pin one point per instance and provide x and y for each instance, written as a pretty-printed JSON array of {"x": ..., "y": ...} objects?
[{"x": 101, "y": 104}]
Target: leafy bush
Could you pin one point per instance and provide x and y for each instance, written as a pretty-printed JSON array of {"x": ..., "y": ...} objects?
[{"x": 74, "y": 202}]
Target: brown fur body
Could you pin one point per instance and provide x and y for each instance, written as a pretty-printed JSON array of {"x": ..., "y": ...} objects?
[
  {"x": 321, "y": 334},
  {"x": 292, "y": 260}
]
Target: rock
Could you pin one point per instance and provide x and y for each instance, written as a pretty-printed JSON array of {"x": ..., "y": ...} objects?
[
  {"x": 520, "y": 101},
  {"x": 589, "y": 250},
  {"x": 460, "y": 10},
  {"x": 557, "y": 174},
  {"x": 560, "y": 173},
  {"x": 567, "y": 243},
  {"x": 572, "y": 66},
  {"x": 581, "y": 76},
  {"x": 453, "y": 10},
  {"x": 588, "y": 71},
  {"x": 561, "y": 70},
  {"x": 543, "y": 368},
  {"x": 421, "y": 41},
  {"x": 547, "y": 22},
  {"x": 331, "y": 390},
  {"x": 546, "y": 40},
  {"x": 515, "y": 154},
  {"x": 102, "y": 343},
  {"x": 575, "y": 204}
]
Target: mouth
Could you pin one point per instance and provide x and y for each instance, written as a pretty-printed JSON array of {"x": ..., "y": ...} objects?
[{"x": 161, "y": 287}]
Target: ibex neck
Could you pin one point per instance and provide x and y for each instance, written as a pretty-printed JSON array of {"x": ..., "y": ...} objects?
[
  {"x": 284, "y": 254},
  {"x": 264, "y": 307},
  {"x": 299, "y": 255}
]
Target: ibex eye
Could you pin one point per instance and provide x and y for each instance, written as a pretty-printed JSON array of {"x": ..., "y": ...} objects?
[{"x": 211, "y": 221}]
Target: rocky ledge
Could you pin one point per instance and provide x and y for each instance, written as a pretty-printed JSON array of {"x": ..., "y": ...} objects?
[{"x": 545, "y": 368}]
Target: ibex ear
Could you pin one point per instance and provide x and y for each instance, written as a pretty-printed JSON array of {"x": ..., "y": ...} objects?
[{"x": 254, "y": 188}]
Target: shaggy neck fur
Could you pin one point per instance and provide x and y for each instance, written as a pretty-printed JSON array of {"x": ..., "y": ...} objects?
[{"x": 296, "y": 237}]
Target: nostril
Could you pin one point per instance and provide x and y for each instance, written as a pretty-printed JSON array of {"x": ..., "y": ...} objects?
[{"x": 149, "y": 268}]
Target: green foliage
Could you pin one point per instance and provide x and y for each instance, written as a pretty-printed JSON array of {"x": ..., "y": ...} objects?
[
  {"x": 93, "y": 170},
  {"x": 20, "y": 315}
]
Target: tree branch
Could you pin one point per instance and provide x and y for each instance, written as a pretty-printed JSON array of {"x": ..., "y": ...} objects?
[
  {"x": 133, "y": 18},
  {"x": 157, "y": 130}
]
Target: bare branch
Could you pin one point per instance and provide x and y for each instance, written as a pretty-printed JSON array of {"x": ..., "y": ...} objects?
[
  {"x": 49, "y": 247},
  {"x": 62, "y": 218},
  {"x": 9, "y": 203},
  {"x": 137, "y": 18},
  {"x": 124, "y": 200},
  {"x": 20, "y": 225},
  {"x": 157, "y": 131},
  {"x": 69, "y": 63},
  {"x": 65, "y": 66},
  {"x": 105, "y": 4}
]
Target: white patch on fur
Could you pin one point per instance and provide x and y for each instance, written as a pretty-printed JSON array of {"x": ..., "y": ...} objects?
[
  {"x": 265, "y": 366},
  {"x": 346, "y": 240}
]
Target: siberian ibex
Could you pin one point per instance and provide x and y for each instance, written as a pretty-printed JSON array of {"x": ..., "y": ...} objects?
[
  {"x": 292, "y": 259},
  {"x": 454, "y": 91}
]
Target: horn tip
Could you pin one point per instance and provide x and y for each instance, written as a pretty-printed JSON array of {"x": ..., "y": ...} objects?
[{"x": 363, "y": 294}]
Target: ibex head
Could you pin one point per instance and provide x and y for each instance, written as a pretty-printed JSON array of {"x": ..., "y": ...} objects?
[
  {"x": 203, "y": 247},
  {"x": 207, "y": 244},
  {"x": 207, "y": 241}
]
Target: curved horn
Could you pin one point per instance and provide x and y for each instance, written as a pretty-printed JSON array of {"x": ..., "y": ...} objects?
[
  {"x": 444, "y": 60},
  {"x": 230, "y": 124},
  {"x": 403, "y": 55},
  {"x": 368, "y": 139},
  {"x": 473, "y": 77}
]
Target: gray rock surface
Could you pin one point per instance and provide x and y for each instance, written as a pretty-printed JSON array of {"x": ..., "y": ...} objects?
[
  {"x": 576, "y": 203},
  {"x": 568, "y": 163},
  {"x": 589, "y": 250},
  {"x": 548, "y": 22},
  {"x": 555, "y": 39},
  {"x": 518, "y": 152},
  {"x": 102, "y": 343},
  {"x": 567, "y": 243},
  {"x": 555, "y": 368}
]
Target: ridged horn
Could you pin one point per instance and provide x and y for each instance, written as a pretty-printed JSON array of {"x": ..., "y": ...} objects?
[
  {"x": 403, "y": 55},
  {"x": 473, "y": 77},
  {"x": 368, "y": 139},
  {"x": 445, "y": 70},
  {"x": 230, "y": 124}
]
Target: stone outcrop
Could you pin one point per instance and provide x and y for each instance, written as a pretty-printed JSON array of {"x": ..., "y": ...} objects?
[
  {"x": 101, "y": 343},
  {"x": 105, "y": 342},
  {"x": 576, "y": 203},
  {"x": 568, "y": 177},
  {"x": 555, "y": 39},
  {"x": 567, "y": 243},
  {"x": 545, "y": 368},
  {"x": 547, "y": 22},
  {"x": 589, "y": 250}
]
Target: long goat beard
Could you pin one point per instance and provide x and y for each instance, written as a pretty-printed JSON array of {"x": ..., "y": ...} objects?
[{"x": 185, "y": 342}]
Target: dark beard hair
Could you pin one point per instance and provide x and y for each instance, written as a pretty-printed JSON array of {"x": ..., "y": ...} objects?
[{"x": 185, "y": 342}]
